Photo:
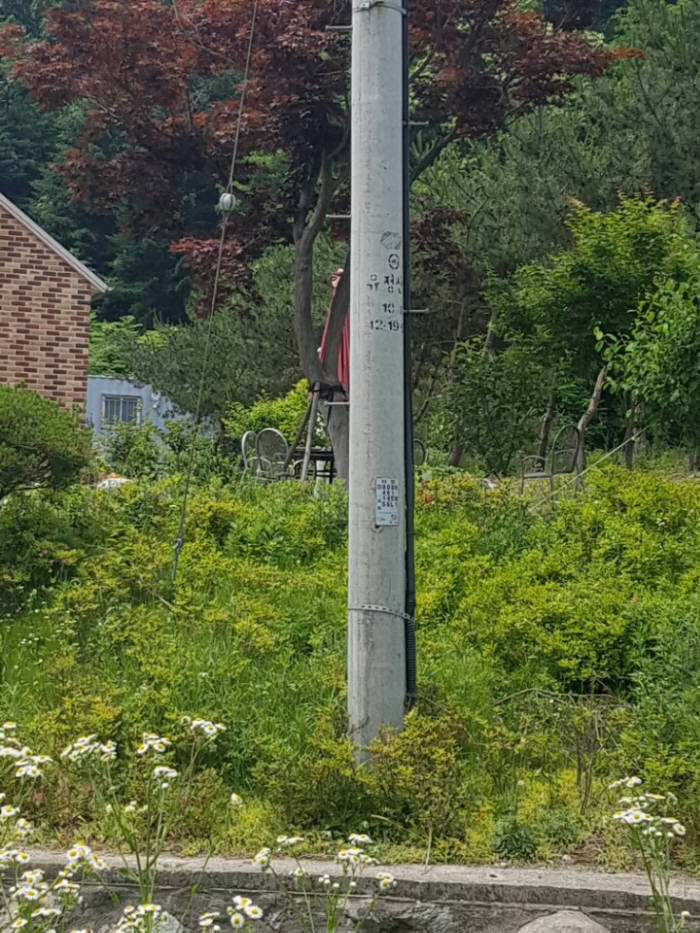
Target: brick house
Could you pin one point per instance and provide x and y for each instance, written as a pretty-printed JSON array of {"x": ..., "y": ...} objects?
[{"x": 45, "y": 299}]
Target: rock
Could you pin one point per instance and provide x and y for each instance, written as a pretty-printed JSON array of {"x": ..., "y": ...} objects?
[
  {"x": 166, "y": 924},
  {"x": 170, "y": 924},
  {"x": 564, "y": 921}
]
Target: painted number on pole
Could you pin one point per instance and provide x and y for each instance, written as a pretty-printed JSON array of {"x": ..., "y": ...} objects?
[{"x": 387, "y": 503}]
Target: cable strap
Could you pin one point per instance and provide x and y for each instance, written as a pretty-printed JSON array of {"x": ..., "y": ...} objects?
[{"x": 392, "y": 612}]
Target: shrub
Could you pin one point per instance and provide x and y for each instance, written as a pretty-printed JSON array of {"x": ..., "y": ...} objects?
[
  {"x": 41, "y": 444},
  {"x": 494, "y": 400},
  {"x": 133, "y": 450},
  {"x": 557, "y": 649},
  {"x": 42, "y": 541},
  {"x": 284, "y": 413}
]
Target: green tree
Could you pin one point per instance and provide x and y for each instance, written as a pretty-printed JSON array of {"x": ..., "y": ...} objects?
[
  {"x": 41, "y": 444},
  {"x": 659, "y": 364},
  {"x": 285, "y": 414},
  {"x": 28, "y": 141},
  {"x": 110, "y": 344},
  {"x": 615, "y": 260},
  {"x": 146, "y": 280},
  {"x": 155, "y": 143},
  {"x": 633, "y": 131},
  {"x": 247, "y": 350},
  {"x": 27, "y": 13},
  {"x": 493, "y": 401}
]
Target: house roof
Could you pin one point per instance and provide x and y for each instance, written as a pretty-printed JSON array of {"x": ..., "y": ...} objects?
[{"x": 95, "y": 281}]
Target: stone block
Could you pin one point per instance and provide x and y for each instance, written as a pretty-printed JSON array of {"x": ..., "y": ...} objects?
[{"x": 564, "y": 921}]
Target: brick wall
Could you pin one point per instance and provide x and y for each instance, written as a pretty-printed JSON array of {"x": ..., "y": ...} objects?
[{"x": 44, "y": 316}]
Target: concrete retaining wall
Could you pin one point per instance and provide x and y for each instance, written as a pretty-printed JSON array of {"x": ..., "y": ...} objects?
[{"x": 439, "y": 899}]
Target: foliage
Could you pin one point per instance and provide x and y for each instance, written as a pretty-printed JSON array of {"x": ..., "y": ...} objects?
[
  {"x": 658, "y": 364},
  {"x": 560, "y": 307},
  {"x": 652, "y": 832},
  {"x": 109, "y": 343},
  {"x": 166, "y": 773},
  {"x": 26, "y": 141},
  {"x": 133, "y": 450},
  {"x": 41, "y": 444},
  {"x": 43, "y": 539},
  {"x": 144, "y": 451},
  {"x": 556, "y": 650},
  {"x": 631, "y": 131},
  {"x": 167, "y": 783},
  {"x": 200, "y": 46},
  {"x": 209, "y": 354},
  {"x": 285, "y": 414},
  {"x": 493, "y": 400},
  {"x": 250, "y": 340},
  {"x": 615, "y": 258},
  {"x": 513, "y": 840},
  {"x": 163, "y": 86},
  {"x": 417, "y": 775},
  {"x": 26, "y": 12}
]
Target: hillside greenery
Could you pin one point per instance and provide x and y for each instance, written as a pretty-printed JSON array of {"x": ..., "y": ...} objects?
[{"x": 558, "y": 648}]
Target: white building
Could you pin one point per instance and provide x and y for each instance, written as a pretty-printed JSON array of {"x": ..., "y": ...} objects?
[{"x": 111, "y": 401}]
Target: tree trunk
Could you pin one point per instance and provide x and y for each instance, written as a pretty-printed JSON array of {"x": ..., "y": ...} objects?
[
  {"x": 490, "y": 334},
  {"x": 456, "y": 451},
  {"x": 305, "y": 233},
  {"x": 629, "y": 434},
  {"x": 337, "y": 417},
  {"x": 455, "y": 455},
  {"x": 306, "y": 229},
  {"x": 545, "y": 425},
  {"x": 586, "y": 417}
]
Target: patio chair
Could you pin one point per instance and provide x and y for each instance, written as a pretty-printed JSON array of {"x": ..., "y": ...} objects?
[
  {"x": 248, "y": 451},
  {"x": 562, "y": 458},
  {"x": 272, "y": 450}
]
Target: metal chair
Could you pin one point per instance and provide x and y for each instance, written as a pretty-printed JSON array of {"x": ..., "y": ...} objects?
[
  {"x": 272, "y": 450},
  {"x": 297, "y": 465},
  {"x": 563, "y": 458},
  {"x": 248, "y": 451}
]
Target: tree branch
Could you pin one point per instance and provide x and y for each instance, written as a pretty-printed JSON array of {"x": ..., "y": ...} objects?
[{"x": 432, "y": 154}]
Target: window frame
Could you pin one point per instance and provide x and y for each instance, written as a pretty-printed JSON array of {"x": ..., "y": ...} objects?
[{"x": 121, "y": 399}]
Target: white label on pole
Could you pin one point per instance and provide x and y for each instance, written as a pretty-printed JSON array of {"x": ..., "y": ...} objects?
[{"x": 387, "y": 503}]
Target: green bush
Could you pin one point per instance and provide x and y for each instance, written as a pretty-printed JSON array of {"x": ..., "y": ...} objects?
[
  {"x": 134, "y": 450},
  {"x": 41, "y": 444},
  {"x": 285, "y": 414},
  {"x": 556, "y": 651},
  {"x": 144, "y": 451},
  {"x": 513, "y": 840},
  {"x": 493, "y": 401},
  {"x": 44, "y": 537}
]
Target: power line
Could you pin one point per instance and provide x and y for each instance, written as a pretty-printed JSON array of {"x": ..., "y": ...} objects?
[{"x": 227, "y": 206}]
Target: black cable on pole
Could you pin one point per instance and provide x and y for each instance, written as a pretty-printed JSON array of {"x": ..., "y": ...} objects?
[{"x": 410, "y": 599}]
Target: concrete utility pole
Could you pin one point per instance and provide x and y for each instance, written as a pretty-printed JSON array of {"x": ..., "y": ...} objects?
[{"x": 377, "y": 481}]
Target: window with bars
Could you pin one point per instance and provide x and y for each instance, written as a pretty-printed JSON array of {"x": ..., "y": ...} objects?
[{"x": 121, "y": 408}]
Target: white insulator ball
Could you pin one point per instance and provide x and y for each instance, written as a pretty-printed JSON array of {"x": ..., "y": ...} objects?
[{"x": 227, "y": 202}]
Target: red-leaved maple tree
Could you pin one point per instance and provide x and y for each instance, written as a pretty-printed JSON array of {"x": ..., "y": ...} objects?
[{"x": 160, "y": 85}]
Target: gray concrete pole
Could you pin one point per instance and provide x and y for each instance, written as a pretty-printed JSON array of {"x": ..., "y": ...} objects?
[{"x": 376, "y": 565}]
